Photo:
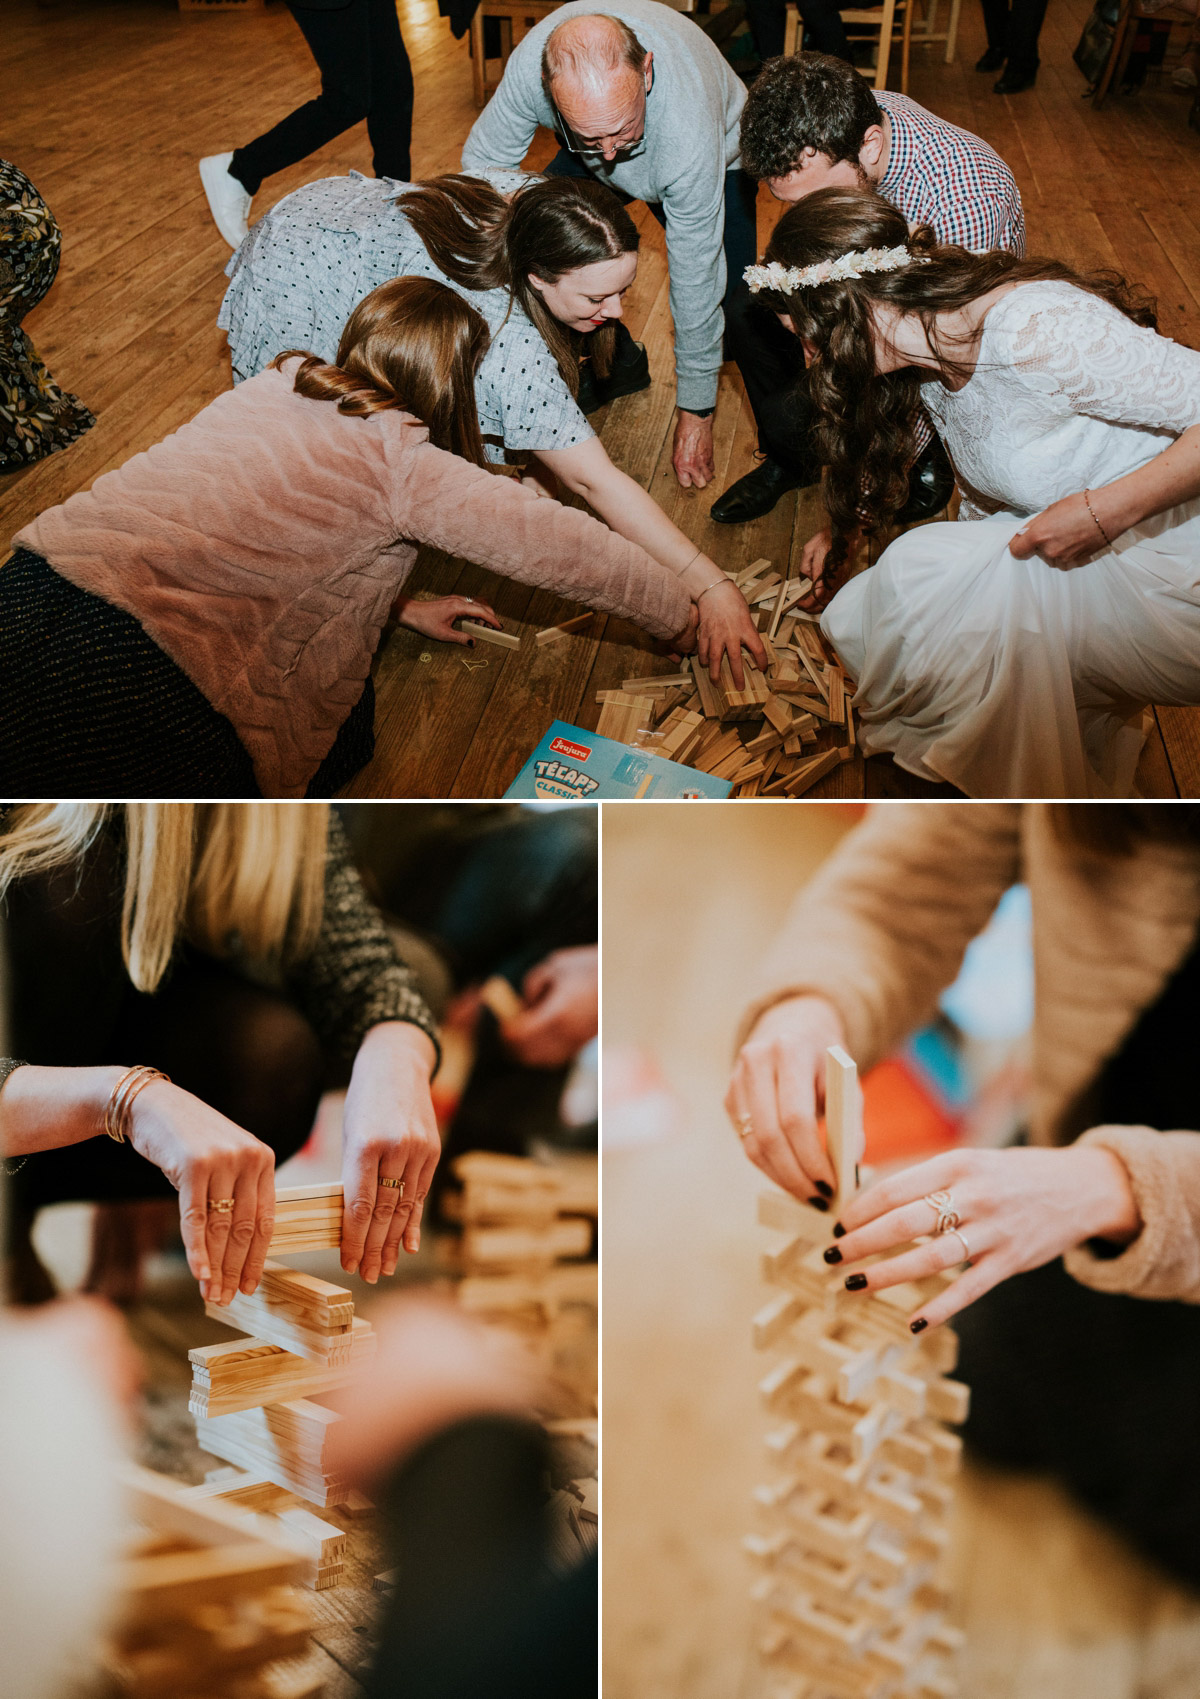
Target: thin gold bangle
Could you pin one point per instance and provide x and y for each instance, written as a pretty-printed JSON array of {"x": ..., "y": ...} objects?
[
  {"x": 1096, "y": 522},
  {"x": 120, "y": 1103}
]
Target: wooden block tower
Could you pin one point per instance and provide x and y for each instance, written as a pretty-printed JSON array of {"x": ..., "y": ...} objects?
[
  {"x": 256, "y": 1400},
  {"x": 855, "y": 1519},
  {"x": 524, "y": 1224}
]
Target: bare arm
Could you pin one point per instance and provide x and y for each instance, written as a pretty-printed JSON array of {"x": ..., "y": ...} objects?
[{"x": 633, "y": 513}]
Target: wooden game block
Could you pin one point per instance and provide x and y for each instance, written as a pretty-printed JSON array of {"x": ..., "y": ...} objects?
[
  {"x": 623, "y": 715},
  {"x": 504, "y": 1246},
  {"x": 498, "y": 995},
  {"x": 488, "y": 634},
  {"x": 307, "y": 1218},
  {"x": 782, "y": 1213},
  {"x": 659, "y": 685},
  {"x": 552, "y": 633},
  {"x": 243, "y": 1491},
  {"x": 843, "y": 1124},
  {"x": 747, "y": 703},
  {"x": 310, "y": 1317},
  {"x": 286, "y": 1441},
  {"x": 248, "y": 1372},
  {"x": 778, "y": 714},
  {"x": 811, "y": 771}
]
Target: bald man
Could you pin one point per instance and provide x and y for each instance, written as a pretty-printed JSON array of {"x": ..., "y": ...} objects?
[{"x": 641, "y": 100}]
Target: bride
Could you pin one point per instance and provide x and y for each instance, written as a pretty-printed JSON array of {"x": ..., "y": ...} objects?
[{"x": 1013, "y": 656}]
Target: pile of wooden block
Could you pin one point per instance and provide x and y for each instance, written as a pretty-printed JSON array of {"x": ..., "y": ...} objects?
[
  {"x": 208, "y": 1603},
  {"x": 771, "y": 738},
  {"x": 525, "y": 1228},
  {"x": 256, "y": 1400},
  {"x": 855, "y": 1521}
]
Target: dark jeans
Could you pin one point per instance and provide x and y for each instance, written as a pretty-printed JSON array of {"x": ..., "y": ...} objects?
[
  {"x": 476, "y": 1609},
  {"x": 741, "y": 230},
  {"x": 1013, "y": 27},
  {"x": 1098, "y": 1390},
  {"x": 365, "y": 73},
  {"x": 771, "y": 362},
  {"x": 824, "y": 30}
]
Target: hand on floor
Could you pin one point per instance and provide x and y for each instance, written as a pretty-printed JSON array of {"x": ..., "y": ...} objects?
[
  {"x": 726, "y": 628},
  {"x": 692, "y": 452},
  {"x": 436, "y": 619}
]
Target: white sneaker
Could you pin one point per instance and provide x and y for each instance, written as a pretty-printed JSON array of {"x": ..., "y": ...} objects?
[{"x": 228, "y": 201}]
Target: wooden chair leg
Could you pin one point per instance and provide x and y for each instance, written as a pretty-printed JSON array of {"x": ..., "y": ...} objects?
[
  {"x": 477, "y": 64},
  {"x": 952, "y": 30},
  {"x": 1107, "y": 74},
  {"x": 905, "y": 45},
  {"x": 886, "y": 26},
  {"x": 791, "y": 32}
]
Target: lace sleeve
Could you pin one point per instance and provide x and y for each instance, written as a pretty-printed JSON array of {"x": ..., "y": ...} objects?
[{"x": 1078, "y": 347}]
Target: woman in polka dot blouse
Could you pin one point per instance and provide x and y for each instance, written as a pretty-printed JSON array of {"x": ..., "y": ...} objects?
[{"x": 546, "y": 262}]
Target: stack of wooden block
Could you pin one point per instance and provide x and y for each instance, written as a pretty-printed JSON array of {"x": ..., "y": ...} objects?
[
  {"x": 256, "y": 1400},
  {"x": 855, "y": 1522},
  {"x": 777, "y": 736},
  {"x": 208, "y": 1603},
  {"x": 525, "y": 1225}
]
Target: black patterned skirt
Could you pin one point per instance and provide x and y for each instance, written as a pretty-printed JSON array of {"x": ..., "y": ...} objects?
[
  {"x": 90, "y": 706},
  {"x": 36, "y": 416}
]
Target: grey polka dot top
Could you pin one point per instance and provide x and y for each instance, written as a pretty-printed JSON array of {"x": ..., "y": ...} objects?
[{"x": 307, "y": 264}]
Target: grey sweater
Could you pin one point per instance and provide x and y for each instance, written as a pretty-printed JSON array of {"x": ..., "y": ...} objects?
[{"x": 692, "y": 116}]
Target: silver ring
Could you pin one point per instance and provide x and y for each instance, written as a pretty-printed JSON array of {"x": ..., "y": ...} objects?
[
  {"x": 942, "y": 1203},
  {"x": 745, "y": 1126},
  {"x": 962, "y": 1239},
  {"x": 394, "y": 1185}
]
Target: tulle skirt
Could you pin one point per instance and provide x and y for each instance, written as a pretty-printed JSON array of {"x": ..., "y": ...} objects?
[{"x": 1011, "y": 678}]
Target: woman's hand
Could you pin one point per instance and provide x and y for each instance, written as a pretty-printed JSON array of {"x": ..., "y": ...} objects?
[
  {"x": 778, "y": 1090},
  {"x": 209, "y": 1159},
  {"x": 725, "y": 629},
  {"x": 561, "y": 1013},
  {"x": 389, "y": 1133},
  {"x": 436, "y": 618},
  {"x": 813, "y": 563},
  {"x": 1017, "y": 1209},
  {"x": 1064, "y": 534}
]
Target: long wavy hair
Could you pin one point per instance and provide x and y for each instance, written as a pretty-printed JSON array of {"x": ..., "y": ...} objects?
[
  {"x": 866, "y": 425},
  {"x": 549, "y": 227},
  {"x": 210, "y": 872},
  {"x": 411, "y": 344}
]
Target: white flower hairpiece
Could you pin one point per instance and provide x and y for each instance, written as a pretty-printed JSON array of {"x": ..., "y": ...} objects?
[{"x": 785, "y": 278}]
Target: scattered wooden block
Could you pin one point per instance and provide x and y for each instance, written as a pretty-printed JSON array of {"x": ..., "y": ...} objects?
[
  {"x": 497, "y": 994},
  {"x": 552, "y": 633},
  {"x": 502, "y": 639}
]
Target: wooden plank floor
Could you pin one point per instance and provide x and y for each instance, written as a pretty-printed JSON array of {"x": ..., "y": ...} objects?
[
  {"x": 1054, "y": 1606},
  {"x": 110, "y": 103}
]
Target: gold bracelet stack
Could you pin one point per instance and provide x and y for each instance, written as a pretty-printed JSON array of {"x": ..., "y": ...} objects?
[{"x": 120, "y": 1104}]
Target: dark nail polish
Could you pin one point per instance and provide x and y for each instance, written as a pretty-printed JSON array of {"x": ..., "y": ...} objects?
[
  {"x": 825, "y": 1190},
  {"x": 839, "y": 1232},
  {"x": 856, "y": 1282},
  {"x": 833, "y": 1254},
  {"x": 916, "y": 1326},
  {"x": 819, "y": 1203}
]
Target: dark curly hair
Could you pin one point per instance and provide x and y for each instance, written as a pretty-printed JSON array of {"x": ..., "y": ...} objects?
[
  {"x": 866, "y": 420},
  {"x": 809, "y": 100}
]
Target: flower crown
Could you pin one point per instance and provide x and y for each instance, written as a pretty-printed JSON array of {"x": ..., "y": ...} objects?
[{"x": 858, "y": 261}]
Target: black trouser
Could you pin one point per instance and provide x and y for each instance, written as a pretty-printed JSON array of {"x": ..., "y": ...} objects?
[
  {"x": 771, "y": 361},
  {"x": 1013, "y": 27},
  {"x": 365, "y": 73},
  {"x": 824, "y": 30},
  {"x": 1098, "y": 1389},
  {"x": 741, "y": 231},
  {"x": 475, "y": 1609}
]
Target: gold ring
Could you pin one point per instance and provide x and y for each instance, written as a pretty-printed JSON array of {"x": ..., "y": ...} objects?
[
  {"x": 395, "y": 1185},
  {"x": 942, "y": 1203},
  {"x": 220, "y": 1206},
  {"x": 962, "y": 1239},
  {"x": 745, "y": 1126}
]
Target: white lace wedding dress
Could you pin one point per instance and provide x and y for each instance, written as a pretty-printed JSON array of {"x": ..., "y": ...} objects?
[{"x": 1012, "y": 678}]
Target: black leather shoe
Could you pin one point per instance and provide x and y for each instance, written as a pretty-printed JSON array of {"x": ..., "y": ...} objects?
[
  {"x": 930, "y": 486},
  {"x": 993, "y": 60},
  {"x": 1014, "y": 82},
  {"x": 628, "y": 376},
  {"x": 756, "y": 494}
]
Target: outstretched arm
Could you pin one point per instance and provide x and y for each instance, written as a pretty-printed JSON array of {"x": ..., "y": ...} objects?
[{"x": 632, "y": 512}]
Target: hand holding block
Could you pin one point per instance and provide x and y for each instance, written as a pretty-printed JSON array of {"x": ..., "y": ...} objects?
[{"x": 489, "y": 634}]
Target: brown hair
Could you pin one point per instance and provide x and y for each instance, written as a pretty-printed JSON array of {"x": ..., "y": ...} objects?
[
  {"x": 411, "y": 344},
  {"x": 867, "y": 420},
  {"x": 551, "y": 226}
]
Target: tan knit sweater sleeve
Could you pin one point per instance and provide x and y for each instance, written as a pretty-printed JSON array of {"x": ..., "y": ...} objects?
[
  {"x": 1164, "y": 1260},
  {"x": 495, "y": 522},
  {"x": 882, "y": 928}
]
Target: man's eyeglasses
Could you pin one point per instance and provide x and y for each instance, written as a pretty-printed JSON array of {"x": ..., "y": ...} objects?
[{"x": 575, "y": 143}]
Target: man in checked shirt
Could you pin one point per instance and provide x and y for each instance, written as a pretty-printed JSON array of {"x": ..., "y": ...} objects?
[{"x": 811, "y": 122}]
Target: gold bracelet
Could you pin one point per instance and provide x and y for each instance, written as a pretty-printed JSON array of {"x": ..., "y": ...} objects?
[
  {"x": 120, "y": 1104},
  {"x": 1096, "y": 522}
]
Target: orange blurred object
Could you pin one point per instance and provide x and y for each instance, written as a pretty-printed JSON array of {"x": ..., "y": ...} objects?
[{"x": 901, "y": 1117}]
